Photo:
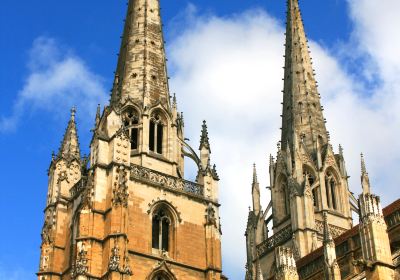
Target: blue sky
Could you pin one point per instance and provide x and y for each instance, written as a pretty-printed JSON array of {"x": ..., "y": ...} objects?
[{"x": 40, "y": 38}]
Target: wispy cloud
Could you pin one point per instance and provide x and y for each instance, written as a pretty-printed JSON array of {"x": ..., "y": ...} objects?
[
  {"x": 229, "y": 71},
  {"x": 56, "y": 80}
]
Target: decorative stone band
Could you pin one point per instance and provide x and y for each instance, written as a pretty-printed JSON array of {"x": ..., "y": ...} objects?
[
  {"x": 275, "y": 240},
  {"x": 159, "y": 179},
  {"x": 334, "y": 230}
]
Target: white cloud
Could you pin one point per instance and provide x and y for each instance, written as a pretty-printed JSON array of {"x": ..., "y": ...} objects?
[
  {"x": 229, "y": 72},
  {"x": 56, "y": 81}
]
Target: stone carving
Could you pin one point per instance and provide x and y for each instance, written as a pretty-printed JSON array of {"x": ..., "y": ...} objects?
[
  {"x": 275, "y": 240},
  {"x": 47, "y": 233},
  {"x": 295, "y": 248},
  {"x": 210, "y": 216},
  {"x": 113, "y": 264},
  {"x": 126, "y": 269},
  {"x": 81, "y": 263},
  {"x": 44, "y": 261},
  {"x": 163, "y": 180},
  {"x": 120, "y": 191}
]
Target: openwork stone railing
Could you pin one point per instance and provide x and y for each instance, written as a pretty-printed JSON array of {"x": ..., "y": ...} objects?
[
  {"x": 78, "y": 187},
  {"x": 393, "y": 219},
  {"x": 277, "y": 239},
  {"x": 334, "y": 230},
  {"x": 163, "y": 180}
]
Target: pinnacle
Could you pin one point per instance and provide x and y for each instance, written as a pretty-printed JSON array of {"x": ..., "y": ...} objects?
[
  {"x": 363, "y": 166},
  {"x": 70, "y": 145},
  {"x": 364, "y": 177},
  {"x": 204, "y": 140},
  {"x": 255, "y": 179},
  {"x": 327, "y": 234}
]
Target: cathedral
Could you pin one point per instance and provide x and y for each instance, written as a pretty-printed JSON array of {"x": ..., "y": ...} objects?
[
  {"x": 307, "y": 231},
  {"x": 126, "y": 211}
]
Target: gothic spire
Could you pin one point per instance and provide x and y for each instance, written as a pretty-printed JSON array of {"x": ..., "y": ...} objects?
[
  {"x": 141, "y": 73},
  {"x": 70, "y": 145},
  {"x": 302, "y": 112},
  {"x": 364, "y": 177}
]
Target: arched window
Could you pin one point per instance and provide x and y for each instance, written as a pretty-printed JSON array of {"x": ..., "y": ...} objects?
[
  {"x": 330, "y": 185},
  {"x": 315, "y": 193},
  {"x": 161, "y": 230},
  {"x": 131, "y": 122},
  {"x": 309, "y": 175},
  {"x": 156, "y": 134}
]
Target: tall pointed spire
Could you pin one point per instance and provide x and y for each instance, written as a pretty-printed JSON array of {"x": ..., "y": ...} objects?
[
  {"x": 141, "y": 72},
  {"x": 366, "y": 186},
  {"x": 302, "y": 112},
  {"x": 70, "y": 145}
]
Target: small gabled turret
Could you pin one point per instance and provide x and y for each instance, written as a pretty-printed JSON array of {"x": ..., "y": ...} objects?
[
  {"x": 377, "y": 257},
  {"x": 69, "y": 148},
  {"x": 332, "y": 271},
  {"x": 285, "y": 264}
]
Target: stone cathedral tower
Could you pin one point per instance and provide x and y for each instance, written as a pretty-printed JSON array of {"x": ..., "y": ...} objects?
[
  {"x": 126, "y": 211},
  {"x": 310, "y": 198}
]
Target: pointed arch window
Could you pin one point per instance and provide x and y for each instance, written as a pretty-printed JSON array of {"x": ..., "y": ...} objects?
[
  {"x": 131, "y": 123},
  {"x": 331, "y": 191},
  {"x": 161, "y": 230},
  {"x": 156, "y": 134}
]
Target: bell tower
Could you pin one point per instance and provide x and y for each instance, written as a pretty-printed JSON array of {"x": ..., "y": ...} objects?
[
  {"x": 128, "y": 212},
  {"x": 307, "y": 178}
]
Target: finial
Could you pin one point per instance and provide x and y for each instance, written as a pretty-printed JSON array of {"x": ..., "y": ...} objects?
[
  {"x": 363, "y": 167},
  {"x": 255, "y": 179},
  {"x": 174, "y": 99},
  {"x": 340, "y": 150},
  {"x": 73, "y": 112},
  {"x": 97, "y": 120}
]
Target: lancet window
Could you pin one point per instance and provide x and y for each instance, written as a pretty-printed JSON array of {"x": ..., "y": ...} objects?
[
  {"x": 131, "y": 123},
  {"x": 331, "y": 191},
  {"x": 161, "y": 230},
  {"x": 285, "y": 197},
  {"x": 156, "y": 134}
]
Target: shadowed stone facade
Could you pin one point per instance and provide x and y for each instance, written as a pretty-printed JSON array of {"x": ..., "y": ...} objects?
[
  {"x": 311, "y": 205},
  {"x": 126, "y": 211}
]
